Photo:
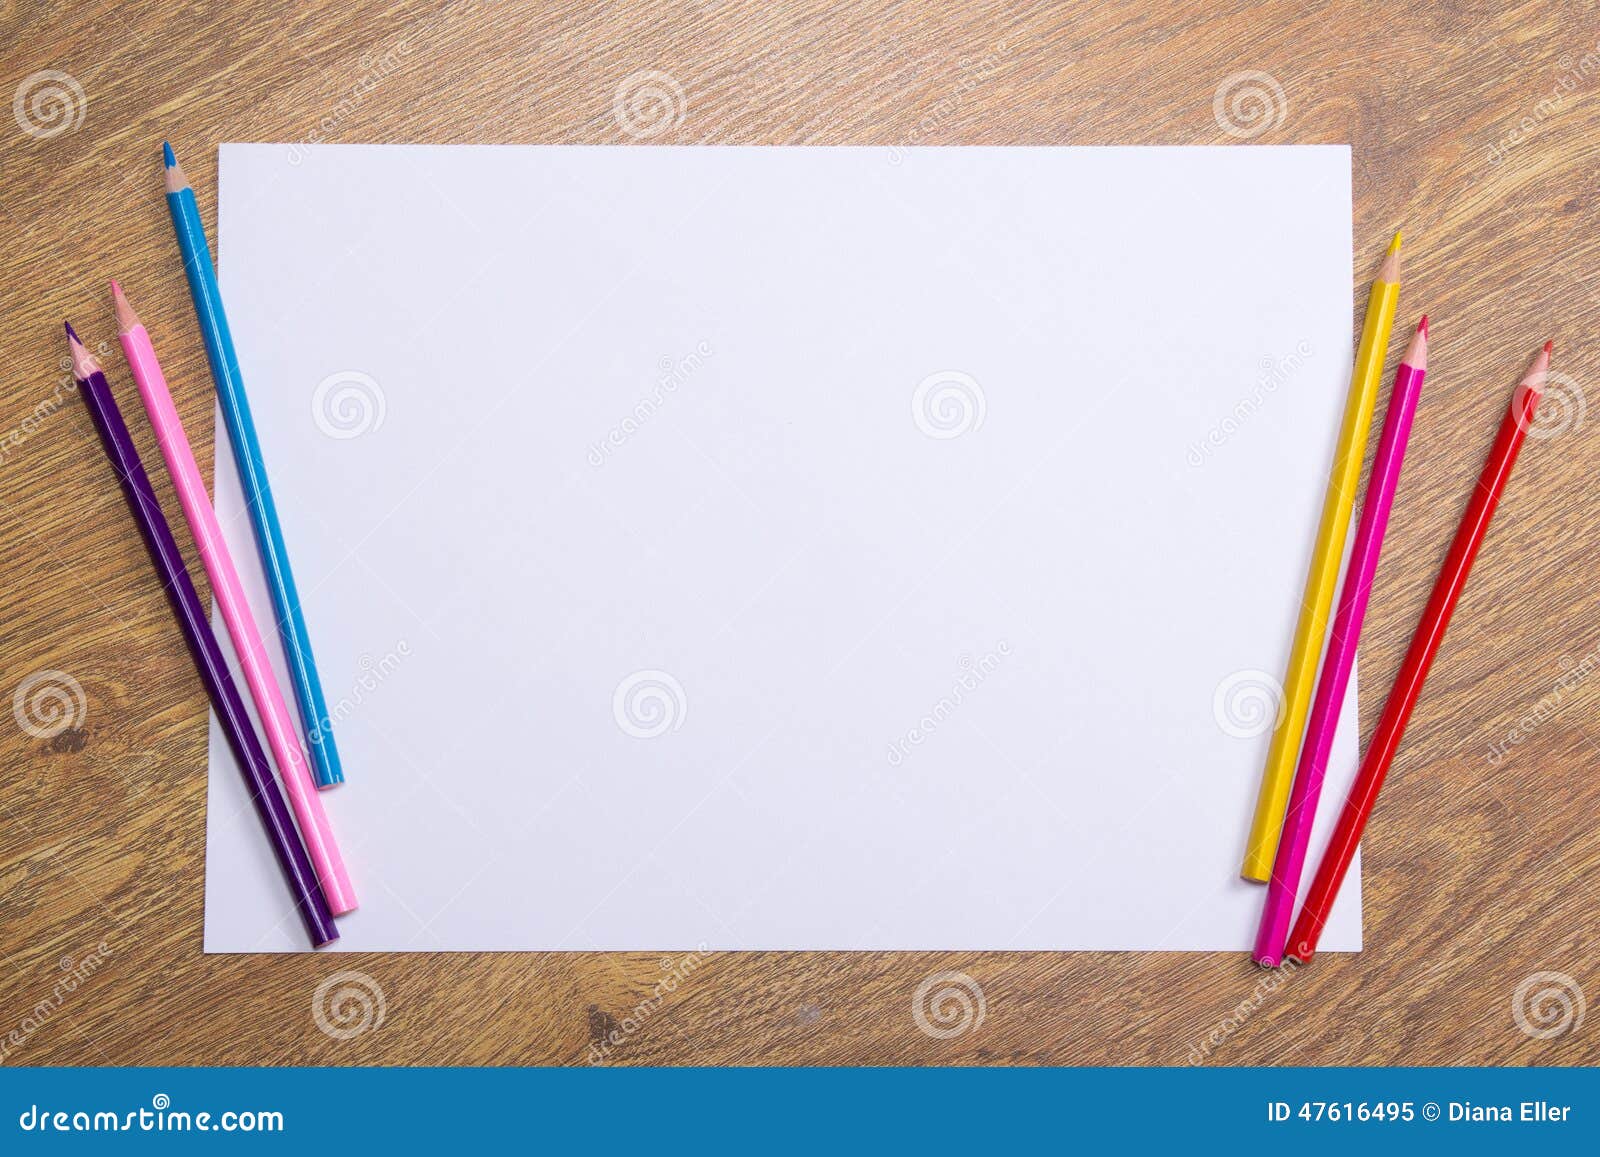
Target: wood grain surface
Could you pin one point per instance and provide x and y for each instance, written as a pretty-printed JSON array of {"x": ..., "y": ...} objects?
[{"x": 1475, "y": 126}]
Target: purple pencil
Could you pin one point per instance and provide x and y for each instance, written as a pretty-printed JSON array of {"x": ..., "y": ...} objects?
[
  {"x": 1341, "y": 657},
  {"x": 208, "y": 658}
]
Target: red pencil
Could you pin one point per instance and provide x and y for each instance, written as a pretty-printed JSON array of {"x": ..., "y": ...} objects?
[{"x": 1419, "y": 657}]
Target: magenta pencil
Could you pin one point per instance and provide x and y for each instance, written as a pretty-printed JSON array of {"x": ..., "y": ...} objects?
[{"x": 1341, "y": 657}]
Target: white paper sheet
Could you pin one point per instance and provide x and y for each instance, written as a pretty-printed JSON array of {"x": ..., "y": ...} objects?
[{"x": 797, "y": 548}]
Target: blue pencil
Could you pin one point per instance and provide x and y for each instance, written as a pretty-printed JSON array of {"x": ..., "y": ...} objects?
[{"x": 252, "y": 471}]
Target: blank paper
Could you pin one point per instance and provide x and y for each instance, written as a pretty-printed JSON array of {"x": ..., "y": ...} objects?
[{"x": 787, "y": 548}]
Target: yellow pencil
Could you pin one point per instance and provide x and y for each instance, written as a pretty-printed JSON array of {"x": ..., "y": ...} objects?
[{"x": 1311, "y": 631}]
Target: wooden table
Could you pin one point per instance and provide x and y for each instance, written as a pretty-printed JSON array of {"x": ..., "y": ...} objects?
[{"x": 1475, "y": 126}]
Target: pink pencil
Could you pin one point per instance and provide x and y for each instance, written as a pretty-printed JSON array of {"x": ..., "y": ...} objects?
[
  {"x": 1341, "y": 657},
  {"x": 275, "y": 718}
]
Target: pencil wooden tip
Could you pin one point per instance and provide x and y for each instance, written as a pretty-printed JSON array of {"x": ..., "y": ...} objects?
[
  {"x": 126, "y": 318},
  {"x": 83, "y": 363},
  {"x": 174, "y": 171},
  {"x": 1538, "y": 370},
  {"x": 1390, "y": 269},
  {"x": 1416, "y": 355}
]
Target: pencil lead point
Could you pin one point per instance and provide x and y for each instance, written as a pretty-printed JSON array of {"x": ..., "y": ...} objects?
[
  {"x": 126, "y": 318},
  {"x": 1549, "y": 347},
  {"x": 1422, "y": 326},
  {"x": 1389, "y": 267},
  {"x": 166, "y": 154},
  {"x": 83, "y": 363}
]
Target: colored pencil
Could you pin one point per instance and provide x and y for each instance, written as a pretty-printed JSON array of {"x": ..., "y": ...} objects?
[
  {"x": 203, "y": 646},
  {"x": 1341, "y": 657},
  {"x": 236, "y": 613},
  {"x": 1419, "y": 657},
  {"x": 1321, "y": 581},
  {"x": 252, "y": 470}
]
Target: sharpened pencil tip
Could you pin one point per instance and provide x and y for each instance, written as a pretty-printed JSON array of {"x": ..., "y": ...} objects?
[
  {"x": 1538, "y": 371},
  {"x": 1416, "y": 355},
  {"x": 126, "y": 318},
  {"x": 1549, "y": 347},
  {"x": 172, "y": 175},
  {"x": 1389, "y": 267},
  {"x": 83, "y": 363}
]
